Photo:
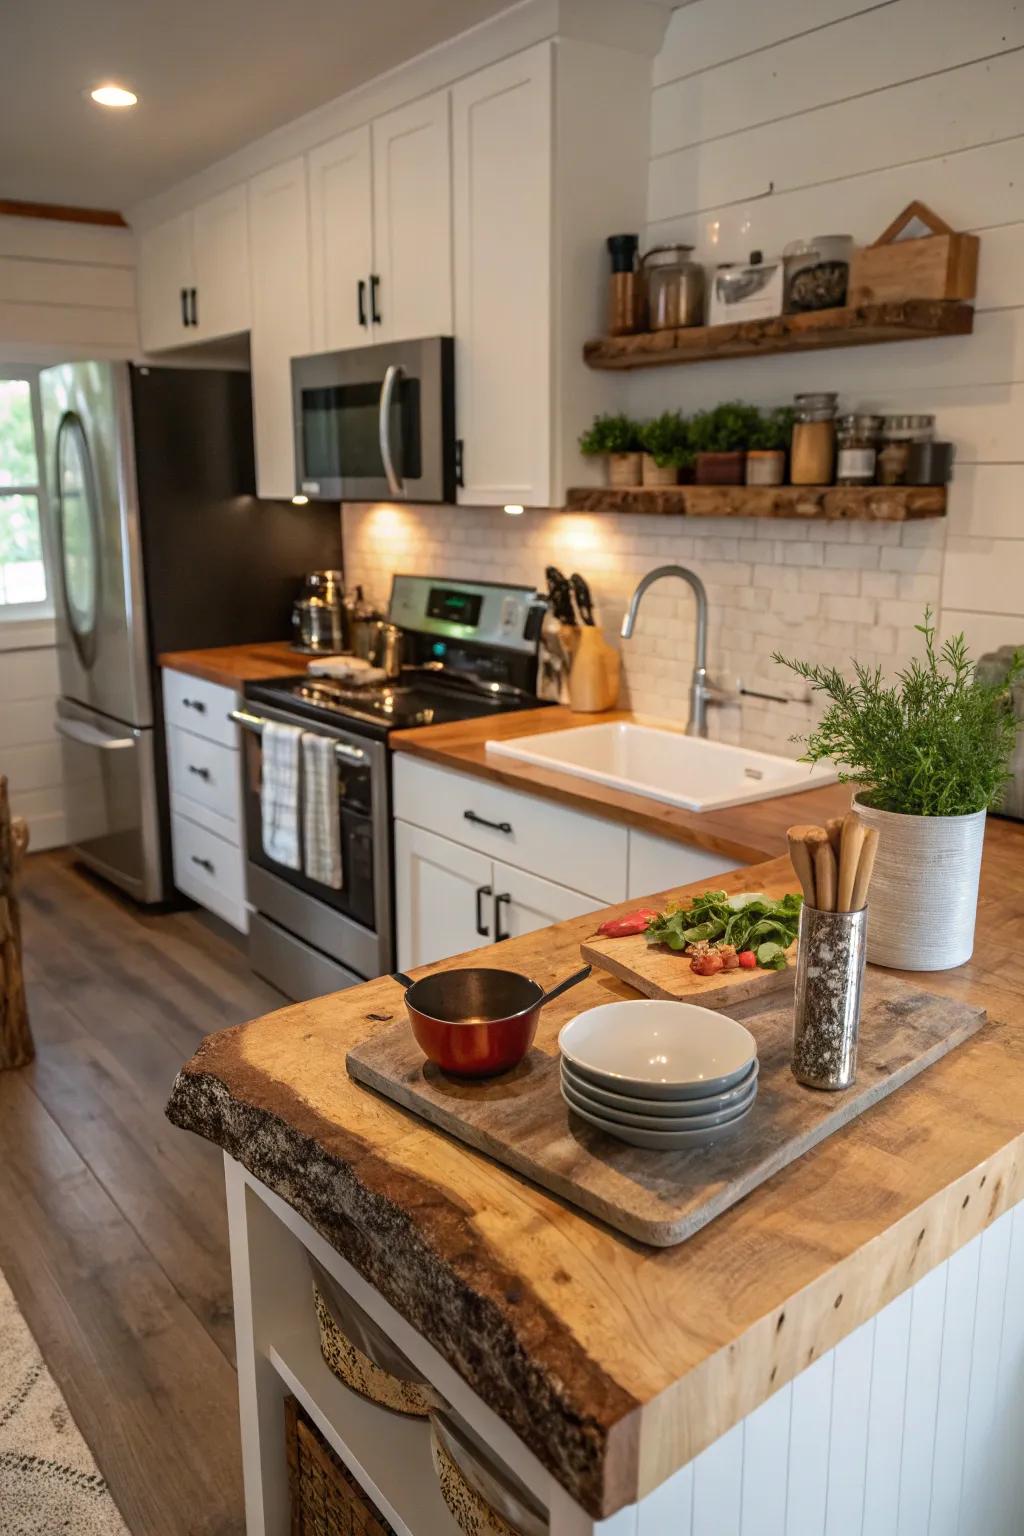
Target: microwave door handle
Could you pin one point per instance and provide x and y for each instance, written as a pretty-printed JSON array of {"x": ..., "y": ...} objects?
[{"x": 396, "y": 485}]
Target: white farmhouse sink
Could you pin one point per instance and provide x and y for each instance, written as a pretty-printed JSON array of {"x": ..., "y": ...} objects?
[{"x": 664, "y": 765}]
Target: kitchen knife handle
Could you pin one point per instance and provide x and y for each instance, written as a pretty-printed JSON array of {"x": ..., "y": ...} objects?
[{"x": 481, "y": 927}]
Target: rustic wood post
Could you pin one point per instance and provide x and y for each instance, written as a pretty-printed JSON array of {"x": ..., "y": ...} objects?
[{"x": 16, "y": 1047}]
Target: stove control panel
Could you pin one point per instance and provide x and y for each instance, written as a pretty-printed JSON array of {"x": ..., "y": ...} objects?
[{"x": 482, "y": 612}]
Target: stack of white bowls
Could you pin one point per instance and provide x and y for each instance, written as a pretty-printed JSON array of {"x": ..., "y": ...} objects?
[{"x": 657, "y": 1074}]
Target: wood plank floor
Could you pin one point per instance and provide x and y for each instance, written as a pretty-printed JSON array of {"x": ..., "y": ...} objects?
[{"x": 113, "y": 1234}]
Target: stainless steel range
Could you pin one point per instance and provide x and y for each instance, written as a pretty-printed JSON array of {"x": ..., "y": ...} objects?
[{"x": 471, "y": 650}]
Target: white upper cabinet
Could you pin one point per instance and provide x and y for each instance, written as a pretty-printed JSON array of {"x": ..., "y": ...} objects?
[
  {"x": 165, "y": 277},
  {"x": 341, "y": 240},
  {"x": 194, "y": 274},
  {"x": 412, "y": 222},
  {"x": 220, "y": 247},
  {"x": 380, "y": 230},
  {"x": 502, "y": 176},
  {"x": 279, "y": 253}
]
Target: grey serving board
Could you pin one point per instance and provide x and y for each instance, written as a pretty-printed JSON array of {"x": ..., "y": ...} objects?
[{"x": 662, "y": 1198}]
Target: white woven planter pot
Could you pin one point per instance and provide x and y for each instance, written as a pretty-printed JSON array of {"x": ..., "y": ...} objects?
[{"x": 924, "y": 894}]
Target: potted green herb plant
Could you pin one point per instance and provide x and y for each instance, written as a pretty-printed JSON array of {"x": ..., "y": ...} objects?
[
  {"x": 617, "y": 440},
  {"x": 719, "y": 438},
  {"x": 767, "y": 446},
  {"x": 928, "y": 754},
  {"x": 664, "y": 440}
]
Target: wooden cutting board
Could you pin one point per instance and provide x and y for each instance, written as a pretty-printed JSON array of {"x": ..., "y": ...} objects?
[
  {"x": 659, "y": 972},
  {"x": 661, "y": 1198}
]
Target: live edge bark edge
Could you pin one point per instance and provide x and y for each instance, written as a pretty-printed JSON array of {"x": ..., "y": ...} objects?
[{"x": 473, "y": 1313}]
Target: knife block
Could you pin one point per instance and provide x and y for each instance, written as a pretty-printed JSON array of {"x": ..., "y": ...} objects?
[{"x": 594, "y": 679}]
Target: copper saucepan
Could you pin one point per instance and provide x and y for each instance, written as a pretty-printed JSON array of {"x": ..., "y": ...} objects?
[{"x": 477, "y": 1021}]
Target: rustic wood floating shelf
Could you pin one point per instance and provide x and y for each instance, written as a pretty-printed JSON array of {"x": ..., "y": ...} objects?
[
  {"x": 831, "y": 503},
  {"x": 863, "y": 325}
]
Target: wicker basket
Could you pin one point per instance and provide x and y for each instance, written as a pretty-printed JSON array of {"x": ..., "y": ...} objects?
[{"x": 326, "y": 1500}]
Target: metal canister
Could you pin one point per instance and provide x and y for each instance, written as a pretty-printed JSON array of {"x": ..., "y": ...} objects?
[{"x": 829, "y": 983}]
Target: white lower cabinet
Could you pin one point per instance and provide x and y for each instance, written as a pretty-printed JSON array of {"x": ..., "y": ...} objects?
[
  {"x": 451, "y": 899},
  {"x": 660, "y": 863},
  {"x": 204, "y": 775}
]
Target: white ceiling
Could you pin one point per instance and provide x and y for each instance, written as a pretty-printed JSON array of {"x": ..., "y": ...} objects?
[{"x": 210, "y": 76}]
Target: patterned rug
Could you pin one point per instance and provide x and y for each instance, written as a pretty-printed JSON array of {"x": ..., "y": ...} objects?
[{"x": 49, "y": 1483}]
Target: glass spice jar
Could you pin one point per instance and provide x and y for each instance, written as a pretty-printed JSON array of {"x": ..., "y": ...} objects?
[
  {"x": 898, "y": 432},
  {"x": 857, "y": 449},
  {"x": 812, "y": 451}
]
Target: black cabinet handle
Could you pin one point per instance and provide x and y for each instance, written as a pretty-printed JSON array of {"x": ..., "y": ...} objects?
[
  {"x": 206, "y": 864},
  {"x": 481, "y": 821},
  {"x": 499, "y": 902},
  {"x": 361, "y": 300},
  {"x": 184, "y": 306},
  {"x": 481, "y": 927},
  {"x": 196, "y": 704},
  {"x": 460, "y": 462},
  {"x": 374, "y": 311},
  {"x": 200, "y": 773},
  {"x": 192, "y": 306}
]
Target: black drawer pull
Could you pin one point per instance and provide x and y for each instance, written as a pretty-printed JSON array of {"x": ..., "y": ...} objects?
[
  {"x": 184, "y": 306},
  {"x": 361, "y": 300},
  {"x": 206, "y": 864},
  {"x": 495, "y": 826},
  {"x": 196, "y": 704},
  {"x": 193, "y": 311},
  {"x": 374, "y": 287},
  {"x": 200, "y": 773},
  {"x": 499, "y": 902},
  {"x": 481, "y": 927}
]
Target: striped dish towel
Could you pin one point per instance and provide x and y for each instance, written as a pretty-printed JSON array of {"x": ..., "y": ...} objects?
[
  {"x": 279, "y": 793},
  {"x": 321, "y": 816}
]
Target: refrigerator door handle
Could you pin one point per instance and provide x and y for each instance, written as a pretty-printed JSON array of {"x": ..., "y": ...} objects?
[
  {"x": 89, "y": 736},
  {"x": 394, "y": 372}
]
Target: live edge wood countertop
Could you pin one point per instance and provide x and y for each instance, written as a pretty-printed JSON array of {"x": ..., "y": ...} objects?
[
  {"x": 746, "y": 833},
  {"x": 616, "y": 1363}
]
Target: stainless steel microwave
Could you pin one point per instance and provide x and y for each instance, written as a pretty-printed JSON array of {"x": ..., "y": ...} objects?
[{"x": 376, "y": 423}]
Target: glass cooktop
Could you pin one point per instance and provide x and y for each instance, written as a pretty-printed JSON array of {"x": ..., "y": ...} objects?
[{"x": 412, "y": 701}]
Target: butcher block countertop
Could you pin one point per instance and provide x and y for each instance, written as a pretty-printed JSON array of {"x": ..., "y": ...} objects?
[
  {"x": 235, "y": 665},
  {"x": 614, "y": 1362},
  {"x": 746, "y": 833}
]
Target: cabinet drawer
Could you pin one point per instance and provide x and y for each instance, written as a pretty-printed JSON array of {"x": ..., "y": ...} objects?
[
  {"x": 205, "y": 774},
  {"x": 583, "y": 853},
  {"x": 201, "y": 707},
  {"x": 210, "y": 870}
]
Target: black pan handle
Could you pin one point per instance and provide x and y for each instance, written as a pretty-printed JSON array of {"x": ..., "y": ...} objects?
[
  {"x": 481, "y": 821},
  {"x": 481, "y": 927},
  {"x": 563, "y": 986},
  {"x": 402, "y": 979}
]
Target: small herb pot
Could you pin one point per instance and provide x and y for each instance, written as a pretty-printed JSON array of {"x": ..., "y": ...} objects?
[
  {"x": 924, "y": 892},
  {"x": 655, "y": 474},
  {"x": 765, "y": 466},
  {"x": 720, "y": 468},
  {"x": 624, "y": 469}
]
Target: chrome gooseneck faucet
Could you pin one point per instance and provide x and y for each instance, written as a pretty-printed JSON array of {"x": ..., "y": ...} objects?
[{"x": 700, "y": 691}]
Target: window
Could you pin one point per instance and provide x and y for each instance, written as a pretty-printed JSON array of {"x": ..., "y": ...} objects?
[{"x": 24, "y": 587}]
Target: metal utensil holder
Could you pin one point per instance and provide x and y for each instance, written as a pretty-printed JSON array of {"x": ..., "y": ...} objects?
[{"x": 829, "y": 983}]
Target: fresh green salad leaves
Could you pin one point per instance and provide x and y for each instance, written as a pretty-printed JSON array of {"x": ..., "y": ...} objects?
[{"x": 751, "y": 921}]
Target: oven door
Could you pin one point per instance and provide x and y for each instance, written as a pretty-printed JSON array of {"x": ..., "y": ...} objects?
[
  {"x": 352, "y": 925},
  {"x": 376, "y": 423}
]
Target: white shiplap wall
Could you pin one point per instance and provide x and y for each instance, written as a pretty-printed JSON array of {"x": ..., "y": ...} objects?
[
  {"x": 66, "y": 291},
  {"x": 769, "y": 123}
]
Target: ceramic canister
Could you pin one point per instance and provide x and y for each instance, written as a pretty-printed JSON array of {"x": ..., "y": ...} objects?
[{"x": 924, "y": 893}]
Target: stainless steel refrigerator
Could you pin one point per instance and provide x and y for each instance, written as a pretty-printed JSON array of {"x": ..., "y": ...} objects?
[{"x": 157, "y": 543}]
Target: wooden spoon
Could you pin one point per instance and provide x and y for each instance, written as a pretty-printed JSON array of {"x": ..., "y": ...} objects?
[
  {"x": 802, "y": 860},
  {"x": 865, "y": 868},
  {"x": 825, "y": 874},
  {"x": 834, "y": 828},
  {"x": 854, "y": 831}
]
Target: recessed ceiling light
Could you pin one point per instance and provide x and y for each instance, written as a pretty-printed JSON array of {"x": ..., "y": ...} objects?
[{"x": 113, "y": 96}]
